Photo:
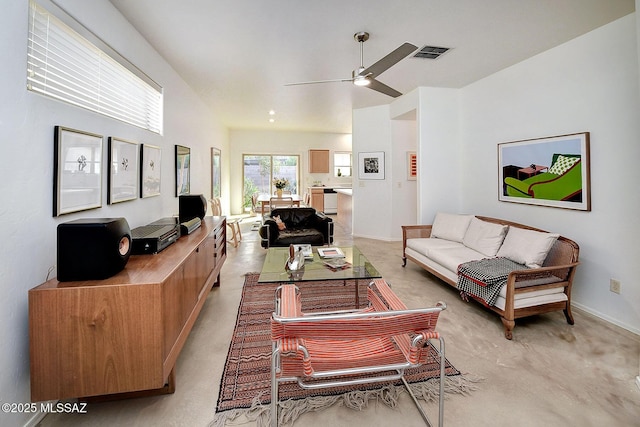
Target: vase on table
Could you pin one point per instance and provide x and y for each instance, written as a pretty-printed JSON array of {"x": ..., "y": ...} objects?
[{"x": 279, "y": 192}]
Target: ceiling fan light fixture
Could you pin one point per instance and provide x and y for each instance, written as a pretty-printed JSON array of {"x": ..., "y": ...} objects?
[{"x": 361, "y": 81}]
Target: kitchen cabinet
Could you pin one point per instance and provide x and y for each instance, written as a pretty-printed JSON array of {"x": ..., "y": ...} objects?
[
  {"x": 317, "y": 198},
  {"x": 318, "y": 161}
]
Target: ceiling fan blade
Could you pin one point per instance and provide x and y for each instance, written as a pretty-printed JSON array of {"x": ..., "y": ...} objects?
[
  {"x": 390, "y": 60},
  {"x": 318, "y": 81},
  {"x": 382, "y": 88}
]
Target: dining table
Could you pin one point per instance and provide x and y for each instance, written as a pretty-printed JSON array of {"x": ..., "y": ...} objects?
[{"x": 265, "y": 199}]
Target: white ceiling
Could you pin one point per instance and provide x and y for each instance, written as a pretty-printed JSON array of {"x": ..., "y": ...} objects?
[{"x": 239, "y": 54}]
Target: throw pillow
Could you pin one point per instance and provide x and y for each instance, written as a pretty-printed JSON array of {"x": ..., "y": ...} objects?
[
  {"x": 450, "y": 226},
  {"x": 527, "y": 247},
  {"x": 485, "y": 237},
  {"x": 563, "y": 164},
  {"x": 279, "y": 223}
]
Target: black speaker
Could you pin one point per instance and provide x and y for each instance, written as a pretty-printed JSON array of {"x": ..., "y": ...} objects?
[
  {"x": 191, "y": 206},
  {"x": 92, "y": 248}
]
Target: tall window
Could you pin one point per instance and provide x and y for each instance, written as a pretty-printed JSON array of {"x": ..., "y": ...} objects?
[
  {"x": 342, "y": 163},
  {"x": 260, "y": 170},
  {"x": 69, "y": 63}
]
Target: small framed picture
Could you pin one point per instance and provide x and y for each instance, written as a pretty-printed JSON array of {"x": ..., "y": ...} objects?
[
  {"x": 412, "y": 166},
  {"x": 77, "y": 171},
  {"x": 371, "y": 165},
  {"x": 216, "y": 173},
  {"x": 183, "y": 164},
  {"x": 150, "y": 160},
  {"x": 123, "y": 171}
]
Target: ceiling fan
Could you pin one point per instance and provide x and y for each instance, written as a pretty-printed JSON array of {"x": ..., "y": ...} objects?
[{"x": 362, "y": 76}]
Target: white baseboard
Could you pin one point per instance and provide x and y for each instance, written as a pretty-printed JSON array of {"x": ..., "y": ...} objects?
[
  {"x": 611, "y": 320},
  {"x": 39, "y": 416},
  {"x": 35, "y": 420}
]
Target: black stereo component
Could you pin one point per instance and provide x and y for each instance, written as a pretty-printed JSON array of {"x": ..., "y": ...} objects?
[
  {"x": 92, "y": 248},
  {"x": 191, "y": 206}
]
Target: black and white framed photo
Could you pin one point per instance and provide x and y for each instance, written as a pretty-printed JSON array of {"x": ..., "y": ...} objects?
[
  {"x": 183, "y": 165},
  {"x": 371, "y": 165},
  {"x": 77, "y": 171},
  {"x": 123, "y": 175},
  {"x": 150, "y": 160}
]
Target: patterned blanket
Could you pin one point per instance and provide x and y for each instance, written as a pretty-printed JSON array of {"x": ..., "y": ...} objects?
[{"x": 484, "y": 278}]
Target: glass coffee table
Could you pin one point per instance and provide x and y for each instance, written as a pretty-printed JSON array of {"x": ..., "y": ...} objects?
[{"x": 275, "y": 268}]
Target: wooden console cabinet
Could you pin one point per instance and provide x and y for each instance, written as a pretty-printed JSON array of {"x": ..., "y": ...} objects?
[{"x": 123, "y": 334}]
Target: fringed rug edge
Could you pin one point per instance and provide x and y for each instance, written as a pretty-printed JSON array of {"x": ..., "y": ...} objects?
[{"x": 290, "y": 410}]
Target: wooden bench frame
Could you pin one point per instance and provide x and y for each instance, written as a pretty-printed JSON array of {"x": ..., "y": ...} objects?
[{"x": 561, "y": 262}]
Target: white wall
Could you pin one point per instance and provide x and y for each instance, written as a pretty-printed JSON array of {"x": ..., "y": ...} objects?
[
  {"x": 588, "y": 84},
  {"x": 438, "y": 152},
  {"x": 404, "y": 194},
  {"x": 372, "y": 207},
  {"x": 284, "y": 142},
  {"x": 27, "y": 120}
]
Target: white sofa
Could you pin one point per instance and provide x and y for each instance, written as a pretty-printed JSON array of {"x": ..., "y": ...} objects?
[{"x": 454, "y": 239}]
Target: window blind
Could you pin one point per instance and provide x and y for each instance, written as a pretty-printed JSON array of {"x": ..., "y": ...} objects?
[{"x": 64, "y": 65}]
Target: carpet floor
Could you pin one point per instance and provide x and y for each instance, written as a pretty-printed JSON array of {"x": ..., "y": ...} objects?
[{"x": 246, "y": 381}]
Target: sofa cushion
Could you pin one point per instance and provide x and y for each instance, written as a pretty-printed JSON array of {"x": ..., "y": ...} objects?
[
  {"x": 450, "y": 226},
  {"x": 485, "y": 237},
  {"x": 299, "y": 235},
  {"x": 528, "y": 247},
  {"x": 424, "y": 245},
  {"x": 452, "y": 257}
]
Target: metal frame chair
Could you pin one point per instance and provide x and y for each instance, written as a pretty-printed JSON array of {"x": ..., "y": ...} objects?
[{"x": 320, "y": 350}]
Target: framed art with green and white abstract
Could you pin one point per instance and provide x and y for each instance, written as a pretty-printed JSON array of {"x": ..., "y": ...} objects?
[{"x": 551, "y": 171}]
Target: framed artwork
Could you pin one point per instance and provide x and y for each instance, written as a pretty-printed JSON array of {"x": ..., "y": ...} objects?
[
  {"x": 371, "y": 165},
  {"x": 216, "y": 173},
  {"x": 183, "y": 166},
  {"x": 412, "y": 166},
  {"x": 150, "y": 161},
  {"x": 123, "y": 171},
  {"x": 551, "y": 171},
  {"x": 77, "y": 171}
]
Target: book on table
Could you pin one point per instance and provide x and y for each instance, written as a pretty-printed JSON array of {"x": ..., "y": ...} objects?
[
  {"x": 336, "y": 264},
  {"x": 330, "y": 253}
]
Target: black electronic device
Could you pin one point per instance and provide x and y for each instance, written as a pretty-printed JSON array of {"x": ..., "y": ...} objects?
[
  {"x": 191, "y": 206},
  {"x": 92, "y": 248},
  {"x": 153, "y": 238},
  {"x": 190, "y": 226}
]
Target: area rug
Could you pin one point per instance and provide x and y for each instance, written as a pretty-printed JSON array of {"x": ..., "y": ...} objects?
[{"x": 245, "y": 388}]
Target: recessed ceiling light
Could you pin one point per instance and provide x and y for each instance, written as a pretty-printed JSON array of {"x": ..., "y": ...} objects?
[
  {"x": 272, "y": 112},
  {"x": 272, "y": 120}
]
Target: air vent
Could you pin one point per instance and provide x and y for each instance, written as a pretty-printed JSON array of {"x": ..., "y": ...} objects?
[{"x": 431, "y": 52}]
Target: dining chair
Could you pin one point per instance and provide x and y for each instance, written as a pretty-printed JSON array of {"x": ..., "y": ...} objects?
[
  {"x": 232, "y": 223},
  {"x": 280, "y": 202}
]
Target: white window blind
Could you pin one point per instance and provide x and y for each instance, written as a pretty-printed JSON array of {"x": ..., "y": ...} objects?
[{"x": 65, "y": 65}]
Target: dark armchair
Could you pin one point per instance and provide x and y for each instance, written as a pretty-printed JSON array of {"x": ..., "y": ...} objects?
[{"x": 301, "y": 225}]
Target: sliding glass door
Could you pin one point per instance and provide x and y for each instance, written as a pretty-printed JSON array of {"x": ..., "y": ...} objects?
[{"x": 259, "y": 171}]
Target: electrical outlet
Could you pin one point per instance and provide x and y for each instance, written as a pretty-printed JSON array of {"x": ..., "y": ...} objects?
[{"x": 614, "y": 286}]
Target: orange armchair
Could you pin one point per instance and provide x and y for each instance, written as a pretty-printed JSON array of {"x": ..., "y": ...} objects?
[{"x": 320, "y": 350}]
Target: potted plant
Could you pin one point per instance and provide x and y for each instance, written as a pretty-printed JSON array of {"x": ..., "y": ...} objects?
[{"x": 280, "y": 184}]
